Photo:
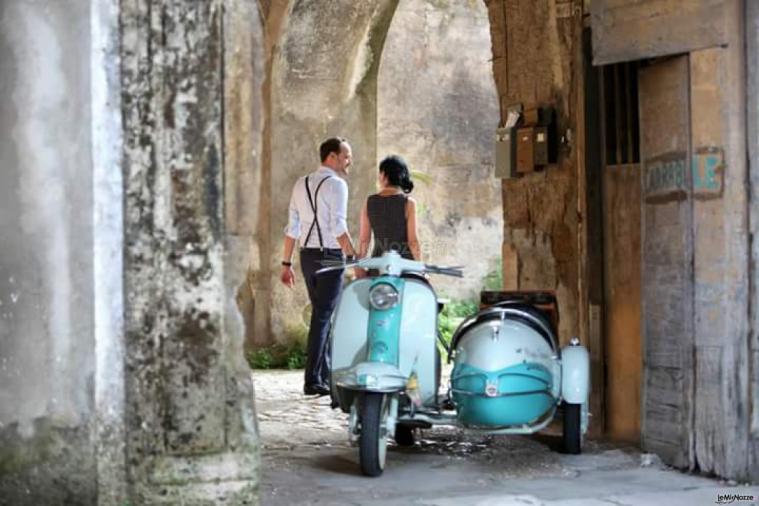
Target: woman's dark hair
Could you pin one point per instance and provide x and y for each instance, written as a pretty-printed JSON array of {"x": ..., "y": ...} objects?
[{"x": 396, "y": 171}]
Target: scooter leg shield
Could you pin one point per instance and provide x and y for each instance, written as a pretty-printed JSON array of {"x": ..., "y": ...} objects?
[{"x": 371, "y": 377}]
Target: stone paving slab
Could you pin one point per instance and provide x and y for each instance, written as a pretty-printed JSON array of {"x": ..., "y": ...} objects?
[{"x": 307, "y": 459}]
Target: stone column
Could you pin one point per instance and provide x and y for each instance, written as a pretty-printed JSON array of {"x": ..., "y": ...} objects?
[{"x": 191, "y": 433}]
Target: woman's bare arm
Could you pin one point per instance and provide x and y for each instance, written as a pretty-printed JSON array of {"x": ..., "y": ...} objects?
[
  {"x": 413, "y": 238},
  {"x": 364, "y": 234}
]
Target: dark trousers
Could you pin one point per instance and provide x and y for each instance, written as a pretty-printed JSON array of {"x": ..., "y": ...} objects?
[{"x": 323, "y": 291}]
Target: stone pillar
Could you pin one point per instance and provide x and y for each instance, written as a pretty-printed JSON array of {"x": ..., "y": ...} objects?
[
  {"x": 191, "y": 433},
  {"x": 108, "y": 245}
]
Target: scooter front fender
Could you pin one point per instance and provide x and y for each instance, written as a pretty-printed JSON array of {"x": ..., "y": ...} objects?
[{"x": 371, "y": 377}]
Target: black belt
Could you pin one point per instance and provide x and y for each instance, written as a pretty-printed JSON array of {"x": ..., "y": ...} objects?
[{"x": 332, "y": 251}]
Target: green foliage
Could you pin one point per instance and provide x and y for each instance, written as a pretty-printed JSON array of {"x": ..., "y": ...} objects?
[
  {"x": 421, "y": 177},
  {"x": 260, "y": 358},
  {"x": 278, "y": 356},
  {"x": 494, "y": 279},
  {"x": 296, "y": 359},
  {"x": 451, "y": 317}
]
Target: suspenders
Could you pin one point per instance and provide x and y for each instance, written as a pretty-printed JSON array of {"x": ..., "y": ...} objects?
[{"x": 314, "y": 203}]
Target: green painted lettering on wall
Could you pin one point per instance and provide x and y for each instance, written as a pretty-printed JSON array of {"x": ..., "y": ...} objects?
[
  {"x": 708, "y": 171},
  {"x": 666, "y": 177}
]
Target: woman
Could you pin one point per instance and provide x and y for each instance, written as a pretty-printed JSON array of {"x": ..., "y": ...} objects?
[{"x": 390, "y": 214}]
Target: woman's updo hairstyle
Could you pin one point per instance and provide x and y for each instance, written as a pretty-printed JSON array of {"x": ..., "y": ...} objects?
[{"x": 396, "y": 171}]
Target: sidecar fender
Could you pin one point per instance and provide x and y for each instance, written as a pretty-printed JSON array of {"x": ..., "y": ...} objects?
[{"x": 575, "y": 374}]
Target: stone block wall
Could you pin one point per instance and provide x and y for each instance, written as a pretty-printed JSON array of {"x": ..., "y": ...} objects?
[{"x": 536, "y": 60}]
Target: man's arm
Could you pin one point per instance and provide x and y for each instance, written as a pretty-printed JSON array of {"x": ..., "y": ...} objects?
[
  {"x": 339, "y": 213},
  {"x": 287, "y": 276},
  {"x": 346, "y": 244},
  {"x": 292, "y": 230}
]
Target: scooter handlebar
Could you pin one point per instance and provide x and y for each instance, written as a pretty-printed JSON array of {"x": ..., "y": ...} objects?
[
  {"x": 378, "y": 263},
  {"x": 447, "y": 271}
]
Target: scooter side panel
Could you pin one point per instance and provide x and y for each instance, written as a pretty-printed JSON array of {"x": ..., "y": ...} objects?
[
  {"x": 349, "y": 323},
  {"x": 417, "y": 337}
]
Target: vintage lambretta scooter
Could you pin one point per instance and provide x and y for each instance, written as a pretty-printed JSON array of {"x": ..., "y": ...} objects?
[{"x": 509, "y": 375}]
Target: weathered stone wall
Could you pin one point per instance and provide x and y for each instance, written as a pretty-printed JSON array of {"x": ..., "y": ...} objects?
[
  {"x": 47, "y": 357},
  {"x": 322, "y": 83},
  {"x": 245, "y": 64},
  {"x": 322, "y": 80},
  {"x": 536, "y": 54},
  {"x": 191, "y": 434},
  {"x": 438, "y": 108}
]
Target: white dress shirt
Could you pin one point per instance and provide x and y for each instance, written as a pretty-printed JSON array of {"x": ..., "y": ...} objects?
[{"x": 331, "y": 207}]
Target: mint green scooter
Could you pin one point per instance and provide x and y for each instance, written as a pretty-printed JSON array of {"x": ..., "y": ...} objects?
[{"x": 508, "y": 376}]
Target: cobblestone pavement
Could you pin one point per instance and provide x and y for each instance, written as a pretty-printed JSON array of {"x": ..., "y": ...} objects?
[{"x": 307, "y": 459}]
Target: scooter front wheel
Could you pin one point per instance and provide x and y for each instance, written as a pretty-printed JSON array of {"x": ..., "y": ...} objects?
[{"x": 373, "y": 435}]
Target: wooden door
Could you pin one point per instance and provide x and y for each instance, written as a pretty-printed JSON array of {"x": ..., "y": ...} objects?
[
  {"x": 667, "y": 259},
  {"x": 622, "y": 297},
  {"x": 621, "y": 247}
]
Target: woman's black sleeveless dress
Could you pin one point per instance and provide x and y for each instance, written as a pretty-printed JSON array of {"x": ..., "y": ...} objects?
[{"x": 387, "y": 217}]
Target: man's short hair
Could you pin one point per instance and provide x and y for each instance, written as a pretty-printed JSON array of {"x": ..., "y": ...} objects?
[{"x": 331, "y": 145}]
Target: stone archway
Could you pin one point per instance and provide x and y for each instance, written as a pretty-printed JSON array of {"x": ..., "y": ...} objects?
[
  {"x": 438, "y": 108},
  {"x": 320, "y": 77},
  {"x": 313, "y": 75}
]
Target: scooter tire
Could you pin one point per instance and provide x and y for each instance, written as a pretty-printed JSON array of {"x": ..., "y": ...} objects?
[
  {"x": 572, "y": 428},
  {"x": 372, "y": 439}
]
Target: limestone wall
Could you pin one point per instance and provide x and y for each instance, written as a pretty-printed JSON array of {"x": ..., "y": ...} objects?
[
  {"x": 47, "y": 346},
  {"x": 355, "y": 79},
  {"x": 437, "y": 107},
  {"x": 322, "y": 83},
  {"x": 536, "y": 59}
]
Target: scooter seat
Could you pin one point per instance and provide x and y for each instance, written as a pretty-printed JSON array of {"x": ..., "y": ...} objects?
[{"x": 524, "y": 313}]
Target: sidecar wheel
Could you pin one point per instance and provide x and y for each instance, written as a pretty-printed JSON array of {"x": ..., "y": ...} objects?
[
  {"x": 373, "y": 436},
  {"x": 572, "y": 428},
  {"x": 404, "y": 435}
]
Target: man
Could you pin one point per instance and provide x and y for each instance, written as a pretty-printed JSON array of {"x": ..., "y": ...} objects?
[{"x": 318, "y": 209}]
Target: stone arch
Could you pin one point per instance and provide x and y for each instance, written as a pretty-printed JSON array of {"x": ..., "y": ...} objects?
[
  {"x": 438, "y": 107},
  {"x": 307, "y": 61}
]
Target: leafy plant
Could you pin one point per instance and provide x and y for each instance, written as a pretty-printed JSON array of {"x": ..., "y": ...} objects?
[
  {"x": 421, "y": 177},
  {"x": 452, "y": 315},
  {"x": 296, "y": 358},
  {"x": 493, "y": 280},
  {"x": 278, "y": 356},
  {"x": 260, "y": 359}
]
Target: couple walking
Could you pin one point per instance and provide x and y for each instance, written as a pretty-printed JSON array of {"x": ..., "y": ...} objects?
[{"x": 317, "y": 222}]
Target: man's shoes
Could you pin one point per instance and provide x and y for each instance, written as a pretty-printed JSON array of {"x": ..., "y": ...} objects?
[{"x": 316, "y": 390}]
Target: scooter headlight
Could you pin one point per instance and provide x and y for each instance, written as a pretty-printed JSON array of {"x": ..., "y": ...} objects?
[{"x": 383, "y": 296}]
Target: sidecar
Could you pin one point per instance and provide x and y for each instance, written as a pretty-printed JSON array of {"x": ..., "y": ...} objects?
[{"x": 510, "y": 376}]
